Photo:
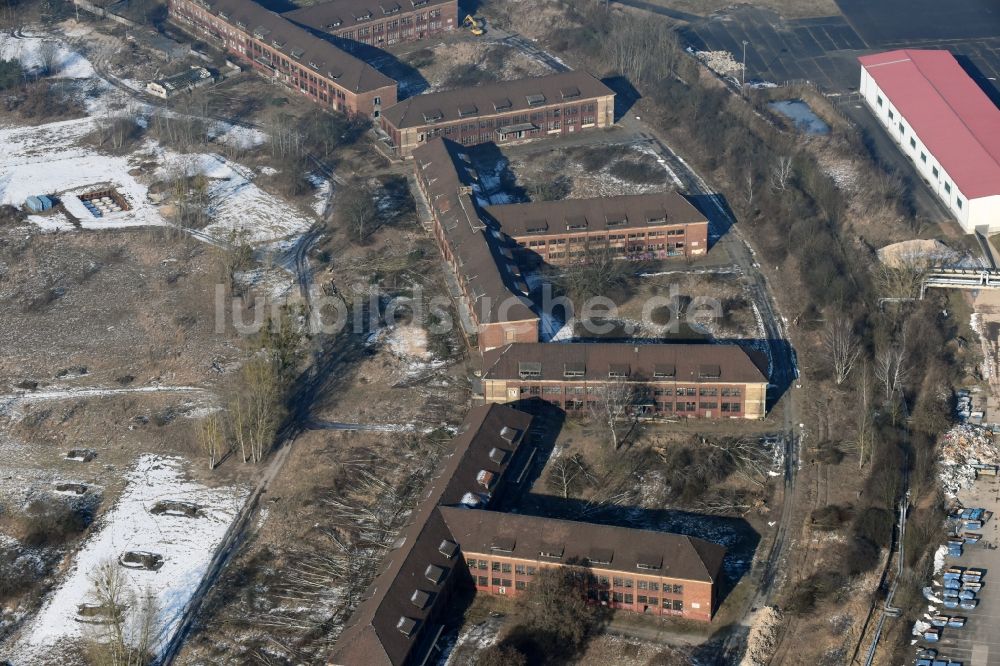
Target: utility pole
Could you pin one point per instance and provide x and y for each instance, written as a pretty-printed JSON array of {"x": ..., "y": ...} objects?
[{"x": 743, "y": 69}]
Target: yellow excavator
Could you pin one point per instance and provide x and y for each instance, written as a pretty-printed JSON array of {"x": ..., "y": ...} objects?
[{"x": 475, "y": 26}]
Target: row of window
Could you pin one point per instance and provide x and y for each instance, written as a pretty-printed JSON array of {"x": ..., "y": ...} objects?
[
  {"x": 600, "y": 582},
  {"x": 559, "y": 389},
  {"x": 923, "y": 156}
]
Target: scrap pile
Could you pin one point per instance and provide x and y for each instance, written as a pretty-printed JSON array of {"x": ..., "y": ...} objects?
[
  {"x": 965, "y": 452},
  {"x": 720, "y": 62}
]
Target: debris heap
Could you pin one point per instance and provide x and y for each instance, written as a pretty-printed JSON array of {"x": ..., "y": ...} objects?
[{"x": 963, "y": 449}]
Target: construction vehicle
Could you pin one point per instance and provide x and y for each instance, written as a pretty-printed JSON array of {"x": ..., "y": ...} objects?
[{"x": 474, "y": 25}]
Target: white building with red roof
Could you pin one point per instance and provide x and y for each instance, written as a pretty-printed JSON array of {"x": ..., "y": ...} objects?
[{"x": 944, "y": 123}]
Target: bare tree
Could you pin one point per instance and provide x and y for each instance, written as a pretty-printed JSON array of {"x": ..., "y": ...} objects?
[
  {"x": 842, "y": 347},
  {"x": 781, "y": 173},
  {"x": 902, "y": 278},
  {"x": 255, "y": 411},
  {"x": 568, "y": 474},
  {"x": 212, "y": 438},
  {"x": 126, "y": 629},
  {"x": 359, "y": 211},
  {"x": 891, "y": 369},
  {"x": 48, "y": 57},
  {"x": 615, "y": 408},
  {"x": 863, "y": 413},
  {"x": 751, "y": 460}
]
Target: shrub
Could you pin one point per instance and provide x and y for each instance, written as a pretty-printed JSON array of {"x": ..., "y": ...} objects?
[
  {"x": 830, "y": 518},
  {"x": 813, "y": 590},
  {"x": 875, "y": 525},
  {"x": 48, "y": 523},
  {"x": 11, "y": 73},
  {"x": 643, "y": 171}
]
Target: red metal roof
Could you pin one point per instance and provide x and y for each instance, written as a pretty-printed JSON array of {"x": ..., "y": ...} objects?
[{"x": 950, "y": 113}]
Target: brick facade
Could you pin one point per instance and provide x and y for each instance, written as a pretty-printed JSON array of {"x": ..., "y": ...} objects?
[
  {"x": 498, "y": 112},
  {"x": 380, "y": 24},
  {"x": 499, "y": 575},
  {"x": 287, "y": 54}
]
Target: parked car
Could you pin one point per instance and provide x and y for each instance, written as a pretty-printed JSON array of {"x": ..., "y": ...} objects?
[
  {"x": 968, "y": 604},
  {"x": 965, "y": 595},
  {"x": 956, "y": 621}
]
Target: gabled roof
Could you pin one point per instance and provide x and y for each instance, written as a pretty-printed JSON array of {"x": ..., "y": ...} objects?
[
  {"x": 490, "y": 275},
  {"x": 319, "y": 55},
  {"x": 597, "y": 214},
  {"x": 550, "y": 540},
  {"x": 492, "y": 98},
  {"x": 373, "y": 636},
  {"x": 953, "y": 117},
  {"x": 342, "y": 14},
  {"x": 664, "y": 362}
]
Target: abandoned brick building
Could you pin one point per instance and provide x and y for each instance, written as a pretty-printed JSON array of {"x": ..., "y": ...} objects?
[
  {"x": 493, "y": 291},
  {"x": 684, "y": 380},
  {"x": 643, "y": 226},
  {"x": 455, "y": 536},
  {"x": 501, "y": 112},
  {"x": 288, "y": 54},
  {"x": 379, "y": 22}
]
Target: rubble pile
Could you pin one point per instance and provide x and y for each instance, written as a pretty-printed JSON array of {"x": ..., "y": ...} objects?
[
  {"x": 763, "y": 637},
  {"x": 720, "y": 62},
  {"x": 962, "y": 449}
]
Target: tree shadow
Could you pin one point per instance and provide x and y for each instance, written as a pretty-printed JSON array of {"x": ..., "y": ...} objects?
[{"x": 625, "y": 94}]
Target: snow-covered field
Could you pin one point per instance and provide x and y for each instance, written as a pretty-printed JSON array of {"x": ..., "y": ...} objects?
[
  {"x": 54, "y": 159},
  {"x": 29, "y": 50},
  {"x": 186, "y": 544}
]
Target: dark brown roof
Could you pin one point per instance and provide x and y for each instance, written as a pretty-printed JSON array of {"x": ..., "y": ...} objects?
[
  {"x": 715, "y": 363},
  {"x": 493, "y": 98},
  {"x": 373, "y": 636},
  {"x": 489, "y": 274},
  {"x": 298, "y": 44},
  {"x": 342, "y": 14},
  {"x": 598, "y": 214},
  {"x": 562, "y": 541}
]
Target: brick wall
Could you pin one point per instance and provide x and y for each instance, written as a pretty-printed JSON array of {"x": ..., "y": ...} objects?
[{"x": 496, "y": 574}]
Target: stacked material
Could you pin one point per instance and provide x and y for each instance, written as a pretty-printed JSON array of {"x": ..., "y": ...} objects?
[{"x": 962, "y": 449}]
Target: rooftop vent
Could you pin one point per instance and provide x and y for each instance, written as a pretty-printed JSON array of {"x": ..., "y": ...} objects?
[
  {"x": 656, "y": 216},
  {"x": 662, "y": 370},
  {"x": 497, "y": 455},
  {"x": 260, "y": 32},
  {"x": 508, "y": 433},
  {"x": 420, "y": 599},
  {"x": 569, "y": 92},
  {"x": 335, "y": 23},
  {"x": 503, "y": 544},
  {"x": 709, "y": 372},
  {"x": 297, "y": 53},
  {"x": 435, "y": 574},
  {"x": 617, "y": 219},
  {"x": 649, "y": 561},
  {"x": 501, "y": 104},
  {"x": 418, "y": 3},
  {"x": 407, "y": 625},
  {"x": 465, "y": 110},
  {"x": 551, "y": 550},
  {"x": 618, "y": 371},
  {"x": 433, "y": 115},
  {"x": 600, "y": 556},
  {"x": 448, "y": 548},
  {"x": 574, "y": 370},
  {"x": 536, "y": 226},
  {"x": 485, "y": 478},
  {"x": 535, "y": 100},
  {"x": 390, "y": 8},
  {"x": 529, "y": 369},
  {"x": 576, "y": 222}
]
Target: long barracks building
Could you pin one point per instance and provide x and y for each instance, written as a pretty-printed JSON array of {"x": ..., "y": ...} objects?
[
  {"x": 502, "y": 112},
  {"x": 642, "y": 227},
  {"x": 286, "y": 53},
  {"x": 455, "y": 539},
  {"x": 686, "y": 381},
  {"x": 493, "y": 291},
  {"x": 379, "y": 22}
]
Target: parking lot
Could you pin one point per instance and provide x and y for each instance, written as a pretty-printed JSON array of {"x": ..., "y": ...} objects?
[
  {"x": 978, "y": 643},
  {"x": 824, "y": 50}
]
